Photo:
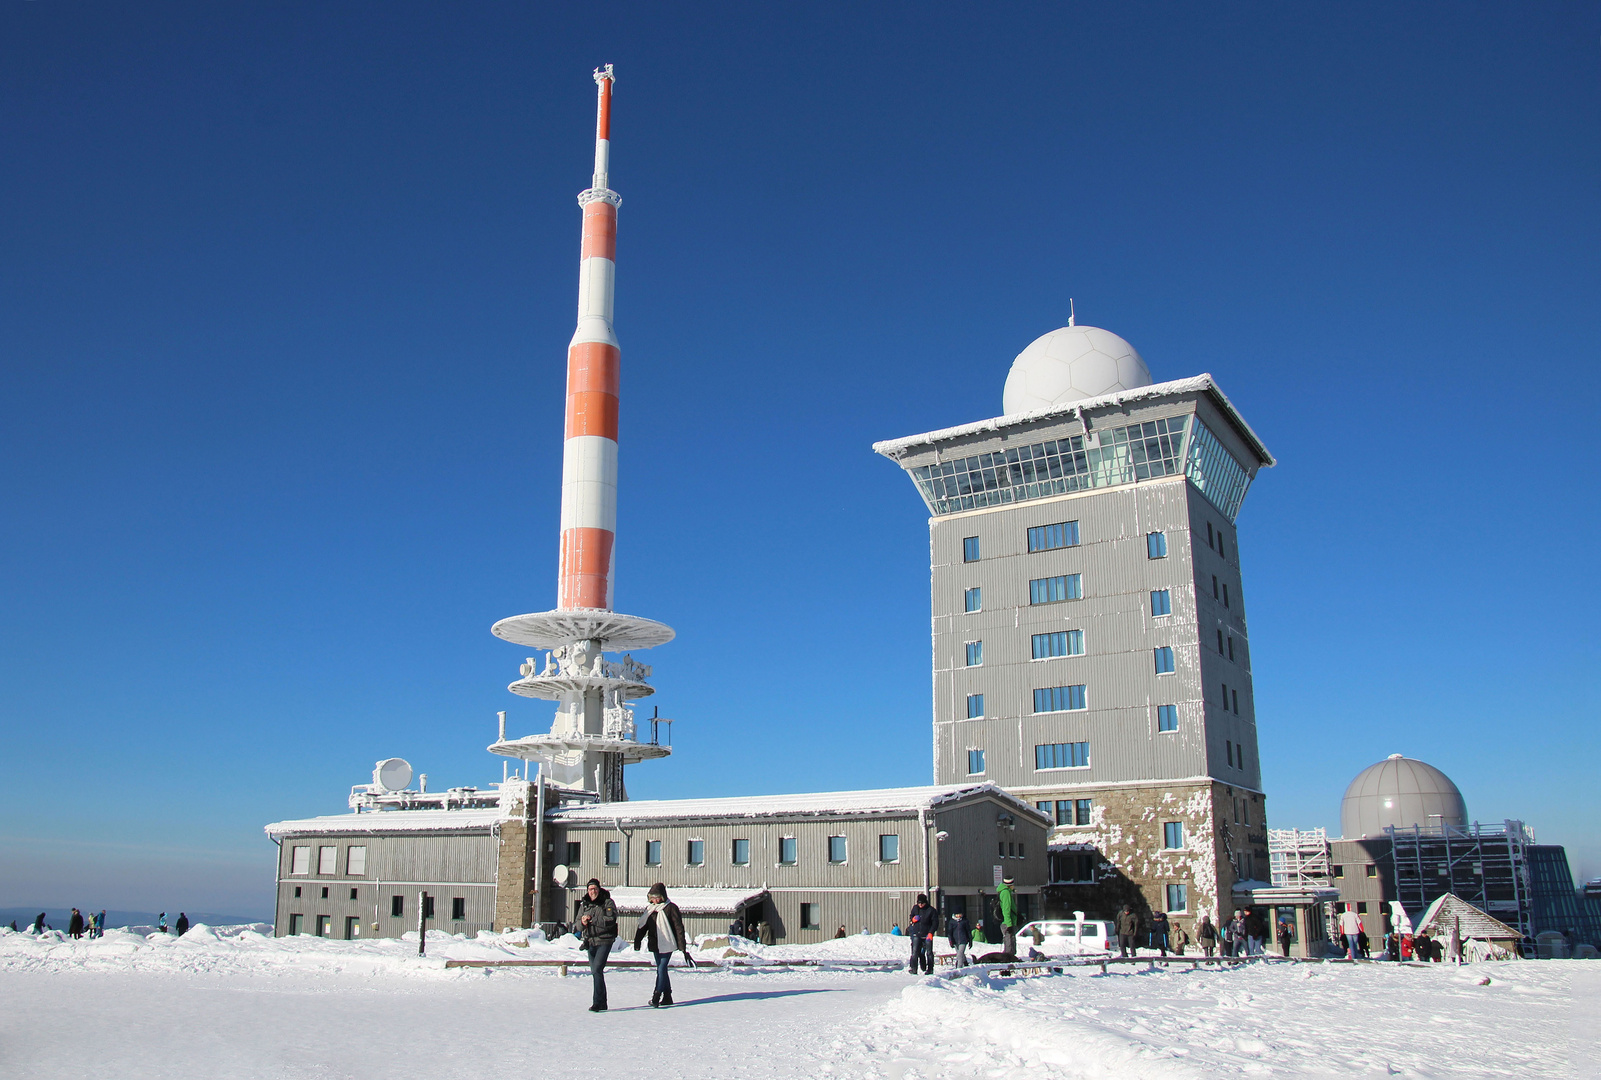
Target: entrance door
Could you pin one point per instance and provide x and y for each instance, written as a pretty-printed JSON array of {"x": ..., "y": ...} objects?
[
  {"x": 352, "y": 928},
  {"x": 324, "y": 925},
  {"x": 294, "y": 925}
]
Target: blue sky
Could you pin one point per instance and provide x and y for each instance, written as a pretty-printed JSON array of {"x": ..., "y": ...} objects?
[{"x": 285, "y": 292}]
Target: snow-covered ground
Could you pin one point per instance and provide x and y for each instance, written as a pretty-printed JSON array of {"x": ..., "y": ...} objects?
[{"x": 235, "y": 1003}]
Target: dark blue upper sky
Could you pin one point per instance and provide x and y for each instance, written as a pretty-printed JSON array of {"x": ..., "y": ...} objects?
[{"x": 285, "y": 292}]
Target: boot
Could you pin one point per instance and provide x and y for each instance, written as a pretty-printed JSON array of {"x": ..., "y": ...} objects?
[
  {"x": 655, "y": 1001},
  {"x": 667, "y": 999}
]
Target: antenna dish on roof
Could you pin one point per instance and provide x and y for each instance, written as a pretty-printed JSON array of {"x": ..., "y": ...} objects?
[{"x": 392, "y": 775}]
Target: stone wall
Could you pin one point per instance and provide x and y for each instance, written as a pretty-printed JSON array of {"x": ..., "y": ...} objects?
[{"x": 516, "y": 865}]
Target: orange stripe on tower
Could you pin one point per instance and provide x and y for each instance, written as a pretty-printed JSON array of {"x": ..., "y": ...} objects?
[
  {"x": 600, "y": 230},
  {"x": 603, "y": 117},
  {"x": 585, "y": 567},
  {"x": 593, "y": 384}
]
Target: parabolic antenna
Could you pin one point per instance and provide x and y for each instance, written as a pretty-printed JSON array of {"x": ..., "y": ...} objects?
[
  {"x": 392, "y": 774},
  {"x": 559, "y": 872}
]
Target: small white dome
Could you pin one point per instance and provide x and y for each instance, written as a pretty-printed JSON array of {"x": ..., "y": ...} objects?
[
  {"x": 1071, "y": 364},
  {"x": 1402, "y": 792}
]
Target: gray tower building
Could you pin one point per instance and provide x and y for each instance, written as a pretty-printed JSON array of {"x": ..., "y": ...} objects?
[{"x": 1090, "y": 647}]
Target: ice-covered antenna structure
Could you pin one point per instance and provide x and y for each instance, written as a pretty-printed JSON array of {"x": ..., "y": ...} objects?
[
  {"x": 391, "y": 775},
  {"x": 1072, "y": 316}
]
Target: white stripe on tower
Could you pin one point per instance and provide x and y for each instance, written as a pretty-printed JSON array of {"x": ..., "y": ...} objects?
[{"x": 589, "y": 456}]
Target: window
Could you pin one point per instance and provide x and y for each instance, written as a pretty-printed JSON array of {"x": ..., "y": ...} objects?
[
  {"x": 786, "y": 851},
  {"x": 328, "y": 860},
  {"x": 973, "y": 600},
  {"x": 1050, "y": 537},
  {"x": 1172, "y": 834},
  {"x": 1045, "y": 808},
  {"x": 458, "y": 908},
  {"x": 1225, "y": 594},
  {"x": 1339, "y": 871},
  {"x": 614, "y": 853},
  {"x": 1072, "y": 866},
  {"x": 575, "y": 853},
  {"x": 1178, "y": 898},
  {"x": 297, "y": 890},
  {"x": 975, "y": 653},
  {"x": 1156, "y": 545},
  {"x": 1058, "y": 643},
  {"x": 1059, "y": 699},
  {"x": 970, "y": 549},
  {"x": 811, "y": 918},
  {"x": 356, "y": 860},
  {"x": 1208, "y": 534},
  {"x": 1164, "y": 659},
  {"x": 653, "y": 852},
  {"x": 1020, "y": 854},
  {"x": 696, "y": 855},
  {"x": 428, "y": 907},
  {"x": 300, "y": 860},
  {"x": 889, "y": 848},
  {"x": 1245, "y": 804},
  {"x": 1231, "y": 648},
  {"x": 1220, "y": 641},
  {"x": 1069, "y": 755},
  {"x": 1229, "y": 746},
  {"x": 836, "y": 849},
  {"x": 1234, "y": 696},
  {"x": 975, "y": 762},
  {"x": 975, "y": 706},
  {"x": 1361, "y": 907},
  {"x": 1081, "y": 812},
  {"x": 1161, "y": 603},
  {"x": 1225, "y": 696},
  {"x": 1214, "y": 587},
  {"x": 1167, "y": 718},
  {"x": 741, "y": 853},
  {"x": 352, "y": 894},
  {"x": 325, "y": 892},
  {"x": 397, "y": 906},
  {"x": 1049, "y": 590},
  {"x": 1220, "y": 549}
]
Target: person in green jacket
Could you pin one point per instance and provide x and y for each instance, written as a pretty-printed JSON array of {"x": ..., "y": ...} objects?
[{"x": 1009, "y": 924}]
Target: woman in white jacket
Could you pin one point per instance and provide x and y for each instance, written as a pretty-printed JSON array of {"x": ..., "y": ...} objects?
[{"x": 662, "y": 925}]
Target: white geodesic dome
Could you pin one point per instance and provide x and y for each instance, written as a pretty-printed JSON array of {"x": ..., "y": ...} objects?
[
  {"x": 1071, "y": 364},
  {"x": 1402, "y": 792}
]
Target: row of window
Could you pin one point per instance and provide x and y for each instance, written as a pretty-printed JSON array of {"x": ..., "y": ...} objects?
[
  {"x": 1236, "y": 754},
  {"x": 1073, "y": 755},
  {"x": 1071, "y": 644},
  {"x": 1063, "y": 587},
  {"x": 1064, "y": 534},
  {"x": 1167, "y": 716},
  {"x": 889, "y": 851},
  {"x": 328, "y": 859},
  {"x": 1076, "y": 867},
  {"x": 1066, "y": 811}
]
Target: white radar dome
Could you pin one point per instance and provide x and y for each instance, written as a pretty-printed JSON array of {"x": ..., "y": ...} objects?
[
  {"x": 1071, "y": 364},
  {"x": 1402, "y": 792},
  {"x": 392, "y": 774}
]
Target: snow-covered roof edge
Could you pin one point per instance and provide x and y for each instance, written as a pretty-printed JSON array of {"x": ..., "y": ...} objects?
[
  {"x": 389, "y": 821},
  {"x": 1204, "y": 383},
  {"x": 885, "y": 800}
]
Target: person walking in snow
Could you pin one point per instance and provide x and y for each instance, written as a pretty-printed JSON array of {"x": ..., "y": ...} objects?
[
  {"x": 161, "y": 923},
  {"x": 1350, "y": 927},
  {"x": 75, "y": 924},
  {"x": 1007, "y": 897},
  {"x": 182, "y": 925},
  {"x": 1181, "y": 939},
  {"x": 1255, "y": 932},
  {"x": 38, "y": 924},
  {"x": 1159, "y": 931},
  {"x": 596, "y": 915},
  {"x": 663, "y": 925},
  {"x": 1128, "y": 925},
  {"x": 100, "y": 924},
  {"x": 960, "y": 936},
  {"x": 1206, "y": 936},
  {"x": 920, "y": 926}
]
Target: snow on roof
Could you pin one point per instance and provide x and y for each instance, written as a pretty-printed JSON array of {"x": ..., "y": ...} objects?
[
  {"x": 893, "y": 448},
  {"x": 1451, "y": 910},
  {"x": 631, "y": 899},
  {"x": 391, "y": 821},
  {"x": 882, "y": 801}
]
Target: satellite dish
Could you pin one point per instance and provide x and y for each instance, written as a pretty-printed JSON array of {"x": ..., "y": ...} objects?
[
  {"x": 392, "y": 774},
  {"x": 559, "y": 872}
]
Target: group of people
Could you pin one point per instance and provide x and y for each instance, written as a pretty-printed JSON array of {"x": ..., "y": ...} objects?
[
  {"x": 1245, "y": 934},
  {"x": 93, "y": 925}
]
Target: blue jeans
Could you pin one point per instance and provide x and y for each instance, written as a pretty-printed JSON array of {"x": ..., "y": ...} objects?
[
  {"x": 599, "y": 951},
  {"x": 664, "y": 985},
  {"x": 1350, "y": 946}
]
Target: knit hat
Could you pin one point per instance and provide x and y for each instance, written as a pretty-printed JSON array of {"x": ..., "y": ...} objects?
[{"x": 657, "y": 889}]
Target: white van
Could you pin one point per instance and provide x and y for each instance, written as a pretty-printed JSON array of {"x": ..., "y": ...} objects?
[{"x": 1068, "y": 937}]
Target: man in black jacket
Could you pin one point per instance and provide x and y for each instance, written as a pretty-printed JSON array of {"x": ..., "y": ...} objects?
[
  {"x": 596, "y": 916},
  {"x": 921, "y": 926},
  {"x": 1128, "y": 925}
]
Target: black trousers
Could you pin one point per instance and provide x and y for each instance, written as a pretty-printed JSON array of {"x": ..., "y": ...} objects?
[{"x": 922, "y": 951}]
